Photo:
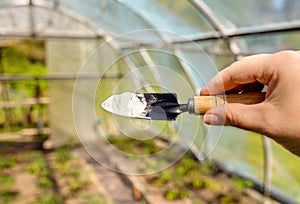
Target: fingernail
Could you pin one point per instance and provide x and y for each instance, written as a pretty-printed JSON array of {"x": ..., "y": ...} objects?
[{"x": 211, "y": 119}]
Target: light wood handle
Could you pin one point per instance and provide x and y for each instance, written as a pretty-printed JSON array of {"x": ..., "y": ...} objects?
[{"x": 204, "y": 103}]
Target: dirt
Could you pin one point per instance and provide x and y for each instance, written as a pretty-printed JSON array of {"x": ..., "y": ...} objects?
[
  {"x": 23, "y": 189},
  {"x": 25, "y": 182},
  {"x": 71, "y": 176}
]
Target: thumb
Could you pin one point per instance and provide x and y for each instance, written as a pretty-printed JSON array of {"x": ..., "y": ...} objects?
[{"x": 248, "y": 117}]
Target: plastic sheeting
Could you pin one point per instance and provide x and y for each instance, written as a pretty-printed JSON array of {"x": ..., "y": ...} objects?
[{"x": 158, "y": 45}]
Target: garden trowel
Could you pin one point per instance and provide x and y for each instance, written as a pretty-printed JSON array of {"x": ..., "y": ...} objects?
[{"x": 165, "y": 106}]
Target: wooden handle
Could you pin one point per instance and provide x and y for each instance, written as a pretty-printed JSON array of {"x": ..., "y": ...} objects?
[{"x": 204, "y": 103}]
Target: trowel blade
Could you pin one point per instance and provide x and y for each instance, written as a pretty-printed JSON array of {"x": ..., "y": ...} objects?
[{"x": 154, "y": 106}]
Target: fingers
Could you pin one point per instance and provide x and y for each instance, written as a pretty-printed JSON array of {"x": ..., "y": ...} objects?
[
  {"x": 248, "y": 117},
  {"x": 248, "y": 70}
]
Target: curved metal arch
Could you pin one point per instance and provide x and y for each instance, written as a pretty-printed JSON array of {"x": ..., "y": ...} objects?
[
  {"x": 72, "y": 15},
  {"x": 203, "y": 8},
  {"x": 108, "y": 37}
]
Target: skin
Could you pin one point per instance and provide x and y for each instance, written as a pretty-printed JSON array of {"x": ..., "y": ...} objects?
[{"x": 278, "y": 116}]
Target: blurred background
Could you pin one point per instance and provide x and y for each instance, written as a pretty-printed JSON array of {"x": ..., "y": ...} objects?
[{"x": 60, "y": 59}]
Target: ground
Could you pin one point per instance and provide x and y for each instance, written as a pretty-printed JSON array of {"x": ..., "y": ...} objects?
[{"x": 29, "y": 174}]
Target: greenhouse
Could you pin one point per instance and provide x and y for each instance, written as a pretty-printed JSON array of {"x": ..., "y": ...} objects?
[{"x": 79, "y": 53}]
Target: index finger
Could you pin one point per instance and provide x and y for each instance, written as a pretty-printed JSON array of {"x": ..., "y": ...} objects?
[{"x": 247, "y": 70}]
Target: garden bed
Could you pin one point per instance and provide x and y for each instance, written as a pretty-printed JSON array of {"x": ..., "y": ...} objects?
[
  {"x": 34, "y": 176},
  {"x": 187, "y": 180}
]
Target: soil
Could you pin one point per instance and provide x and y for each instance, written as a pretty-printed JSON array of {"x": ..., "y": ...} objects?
[
  {"x": 71, "y": 176},
  {"x": 34, "y": 176},
  {"x": 188, "y": 180}
]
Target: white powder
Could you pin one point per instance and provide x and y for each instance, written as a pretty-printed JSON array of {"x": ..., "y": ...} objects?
[{"x": 127, "y": 104}]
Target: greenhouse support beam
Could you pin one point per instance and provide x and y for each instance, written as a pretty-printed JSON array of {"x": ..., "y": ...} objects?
[
  {"x": 151, "y": 64},
  {"x": 226, "y": 33},
  {"x": 207, "y": 12},
  {"x": 212, "y": 18},
  {"x": 56, "y": 77},
  {"x": 247, "y": 31},
  {"x": 267, "y": 166}
]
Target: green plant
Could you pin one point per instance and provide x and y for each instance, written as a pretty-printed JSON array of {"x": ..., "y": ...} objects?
[
  {"x": 76, "y": 184},
  {"x": 189, "y": 163},
  {"x": 6, "y": 181},
  {"x": 94, "y": 199},
  {"x": 7, "y": 197},
  {"x": 63, "y": 154},
  {"x": 226, "y": 199},
  {"x": 198, "y": 183},
  {"x": 37, "y": 166},
  {"x": 207, "y": 167},
  {"x": 7, "y": 162},
  {"x": 171, "y": 194},
  {"x": 213, "y": 185},
  {"x": 163, "y": 178},
  {"x": 240, "y": 184},
  {"x": 45, "y": 182},
  {"x": 181, "y": 170},
  {"x": 176, "y": 193},
  {"x": 15, "y": 60},
  {"x": 72, "y": 171},
  {"x": 49, "y": 198}
]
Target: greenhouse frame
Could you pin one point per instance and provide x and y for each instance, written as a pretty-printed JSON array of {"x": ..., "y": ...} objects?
[{"x": 97, "y": 48}]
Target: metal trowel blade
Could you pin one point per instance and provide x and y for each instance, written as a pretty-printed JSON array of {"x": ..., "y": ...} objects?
[{"x": 154, "y": 106}]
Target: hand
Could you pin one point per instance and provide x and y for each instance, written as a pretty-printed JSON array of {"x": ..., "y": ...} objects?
[{"x": 278, "y": 116}]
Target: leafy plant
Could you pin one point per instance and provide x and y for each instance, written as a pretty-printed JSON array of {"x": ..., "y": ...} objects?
[
  {"x": 7, "y": 162},
  {"x": 76, "y": 184},
  {"x": 45, "y": 182},
  {"x": 72, "y": 171},
  {"x": 49, "y": 198},
  {"x": 226, "y": 199},
  {"x": 181, "y": 170},
  {"x": 37, "y": 166},
  {"x": 207, "y": 167},
  {"x": 63, "y": 154},
  {"x": 15, "y": 61},
  {"x": 198, "y": 183},
  {"x": 214, "y": 186},
  {"x": 240, "y": 184},
  {"x": 163, "y": 178},
  {"x": 6, "y": 196},
  {"x": 6, "y": 181},
  {"x": 176, "y": 193}
]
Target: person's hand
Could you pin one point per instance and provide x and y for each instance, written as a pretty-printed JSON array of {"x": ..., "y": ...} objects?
[{"x": 278, "y": 116}]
